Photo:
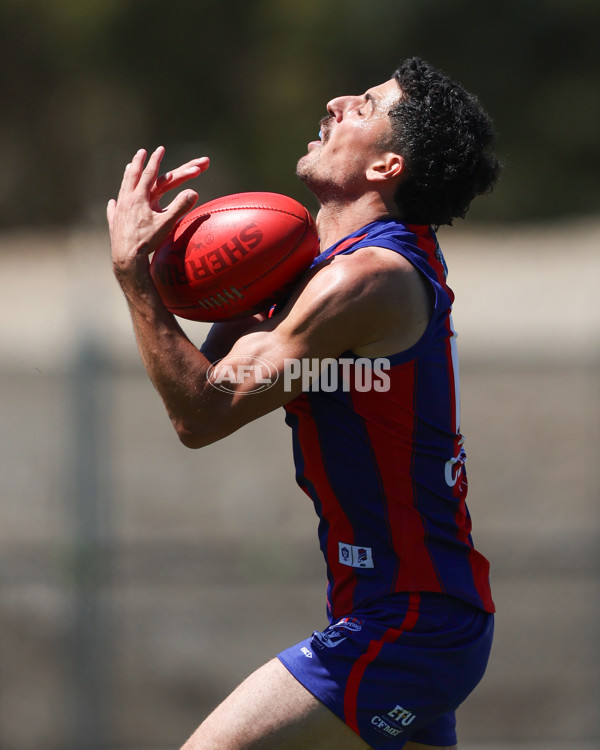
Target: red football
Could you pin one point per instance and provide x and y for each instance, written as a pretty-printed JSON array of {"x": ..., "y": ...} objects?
[{"x": 234, "y": 256}]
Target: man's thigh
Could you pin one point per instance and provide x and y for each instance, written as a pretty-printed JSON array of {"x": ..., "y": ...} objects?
[{"x": 273, "y": 711}]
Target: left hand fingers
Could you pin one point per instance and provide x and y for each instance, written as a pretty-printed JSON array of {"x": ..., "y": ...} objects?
[
  {"x": 177, "y": 177},
  {"x": 110, "y": 211},
  {"x": 179, "y": 206},
  {"x": 131, "y": 175},
  {"x": 135, "y": 219},
  {"x": 149, "y": 174}
]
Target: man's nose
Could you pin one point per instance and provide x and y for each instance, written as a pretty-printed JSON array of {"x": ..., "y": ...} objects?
[{"x": 338, "y": 107}]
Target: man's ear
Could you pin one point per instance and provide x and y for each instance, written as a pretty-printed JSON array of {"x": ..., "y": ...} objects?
[{"x": 387, "y": 166}]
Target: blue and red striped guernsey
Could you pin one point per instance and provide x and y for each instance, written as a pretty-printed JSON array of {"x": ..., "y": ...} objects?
[{"x": 386, "y": 469}]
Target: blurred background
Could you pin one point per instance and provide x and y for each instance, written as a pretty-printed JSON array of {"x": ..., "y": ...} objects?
[{"x": 139, "y": 581}]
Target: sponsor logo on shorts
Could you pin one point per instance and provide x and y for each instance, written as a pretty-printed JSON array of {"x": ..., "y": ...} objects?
[
  {"x": 402, "y": 715},
  {"x": 355, "y": 556},
  {"x": 384, "y": 727},
  {"x": 306, "y": 651},
  {"x": 393, "y": 722}
]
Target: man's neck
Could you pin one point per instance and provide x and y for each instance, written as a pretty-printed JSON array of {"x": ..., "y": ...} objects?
[{"x": 337, "y": 220}]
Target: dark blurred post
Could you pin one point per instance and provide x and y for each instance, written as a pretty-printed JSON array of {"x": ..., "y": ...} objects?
[{"x": 89, "y": 650}]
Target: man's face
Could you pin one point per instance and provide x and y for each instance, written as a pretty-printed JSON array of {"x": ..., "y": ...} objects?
[{"x": 351, "y": 134}]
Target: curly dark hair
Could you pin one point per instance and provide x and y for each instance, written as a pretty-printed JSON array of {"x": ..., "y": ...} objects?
[{"x": 445, "y": 137}]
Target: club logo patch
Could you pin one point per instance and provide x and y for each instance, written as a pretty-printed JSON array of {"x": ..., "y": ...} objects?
[{"x": 355, "y": 556}]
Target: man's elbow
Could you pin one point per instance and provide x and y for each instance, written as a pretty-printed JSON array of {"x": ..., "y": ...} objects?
[
  {"x": 192, "y": 440},
  {"x": 197, "y": 434}
]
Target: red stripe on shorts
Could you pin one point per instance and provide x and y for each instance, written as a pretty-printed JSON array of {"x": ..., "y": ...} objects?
[{"x": 373, "y": 649}]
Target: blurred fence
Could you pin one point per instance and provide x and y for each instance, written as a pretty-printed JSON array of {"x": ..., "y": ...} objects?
[{"x": 139, "y": 581}]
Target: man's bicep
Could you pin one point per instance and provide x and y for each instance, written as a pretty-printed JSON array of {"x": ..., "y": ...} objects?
[
  {"x": 268, "y": 366},
  {"x": 311, "y": 324},
  {"x": 333, "y": 311}
]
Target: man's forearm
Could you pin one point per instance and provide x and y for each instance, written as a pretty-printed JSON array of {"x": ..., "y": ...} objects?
[{"x": 174, "y": 365}]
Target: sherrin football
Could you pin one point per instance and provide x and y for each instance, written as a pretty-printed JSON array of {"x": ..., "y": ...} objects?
[{"x": 234, "y": 256}]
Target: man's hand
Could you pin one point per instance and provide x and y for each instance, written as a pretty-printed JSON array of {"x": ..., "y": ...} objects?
[{"x": 138, "y": 225}]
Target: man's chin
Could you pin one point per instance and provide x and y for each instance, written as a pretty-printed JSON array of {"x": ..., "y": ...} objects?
[
  {"x": 307, "y": 171},
  {"x": 303, "y": 169}
]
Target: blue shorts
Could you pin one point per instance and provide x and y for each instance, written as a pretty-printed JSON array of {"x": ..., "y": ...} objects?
[{"x": 397, "y": 670}]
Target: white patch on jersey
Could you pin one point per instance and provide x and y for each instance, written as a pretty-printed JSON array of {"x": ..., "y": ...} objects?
[{"x": 355, "y": 556}]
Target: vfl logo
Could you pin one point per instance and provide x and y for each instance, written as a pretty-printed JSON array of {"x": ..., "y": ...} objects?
[
  {"x": 258, "y": 373},
  {"x": 350, "y": 623},
  {"x": 326, "y": 639},
  {"x": 332, "y": 637}
]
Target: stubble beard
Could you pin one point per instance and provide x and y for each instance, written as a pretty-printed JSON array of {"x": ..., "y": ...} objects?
[
  {"x": 307, "y": 171},
  {"x": 322, "y": 183},
  {"x": 318, "y": 181}
]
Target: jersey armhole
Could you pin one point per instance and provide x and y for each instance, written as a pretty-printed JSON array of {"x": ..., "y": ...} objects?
[{"x": 434, "y": 292}]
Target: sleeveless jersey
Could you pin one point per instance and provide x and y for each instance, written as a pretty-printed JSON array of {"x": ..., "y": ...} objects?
[{"x": 385, "y": 469}]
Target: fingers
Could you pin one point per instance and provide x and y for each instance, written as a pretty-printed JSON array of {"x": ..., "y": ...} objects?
[
  {"x": 150, "y": 173},
  {"x": 177, "y": 177},
  {"x": 136, "y": 175},
  {"x": 181, "y": 204},
  {"x": 110, "y": 211},
  {"x": 145, "y": 182},
  {"x": 132, "y": 172}
]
